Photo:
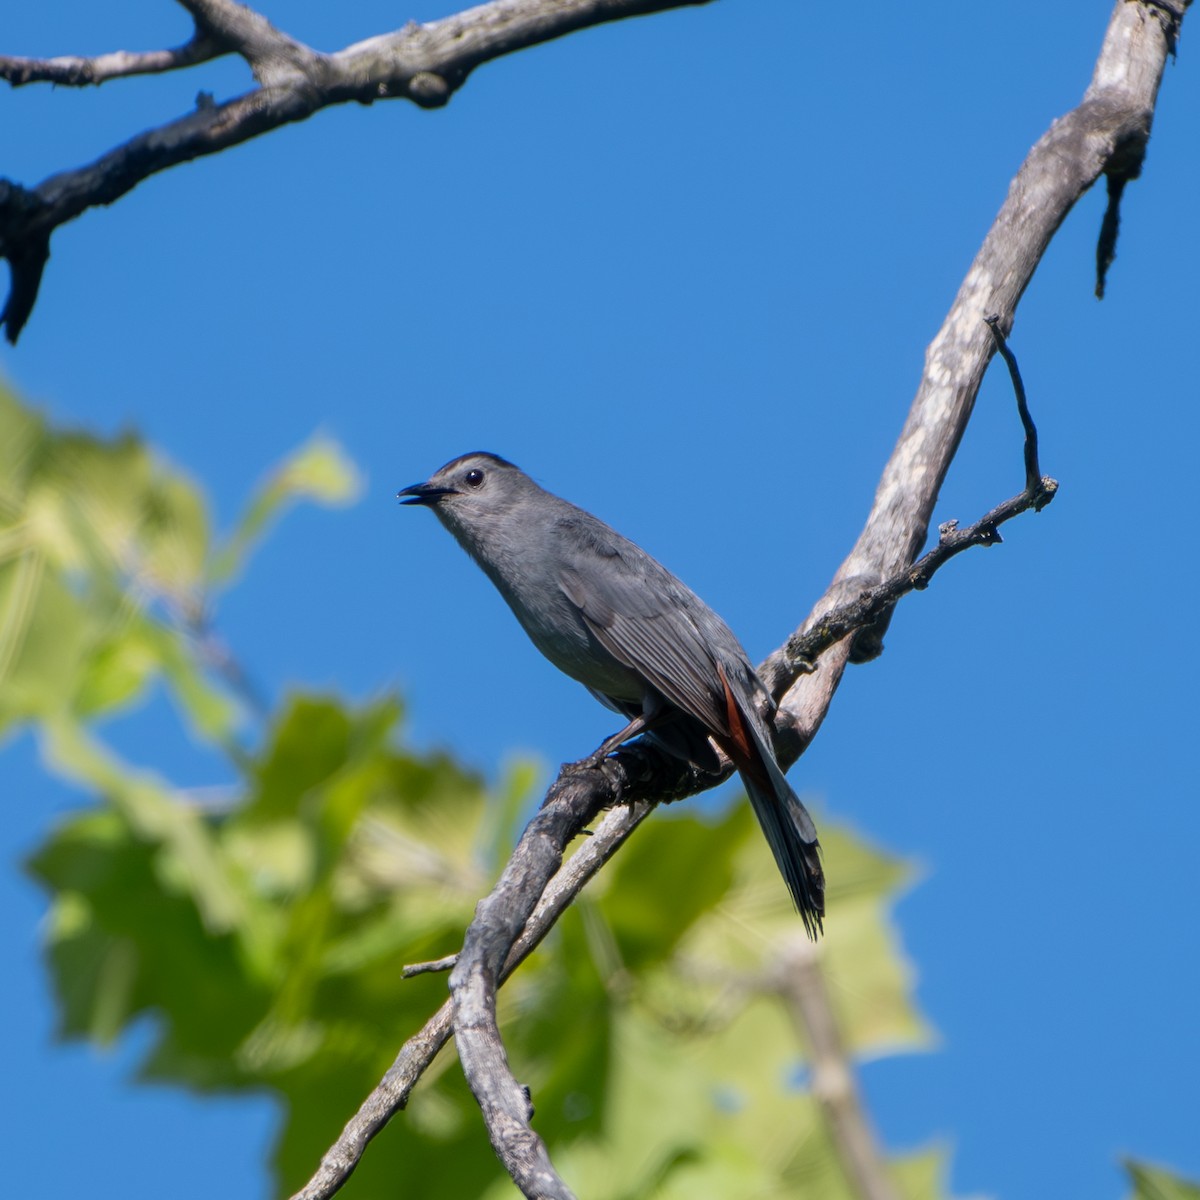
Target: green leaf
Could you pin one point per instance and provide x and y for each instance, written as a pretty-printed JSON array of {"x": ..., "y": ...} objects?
[
  {"x": 44, "y": 637},
  {"x": 104, "y": 565},
  {"x": 1157, "y": 1183},
  {"x": 127, "y": 937},
  {"x": 870, "y": 980},
  {"x": 101, "y": 555},
  {"x": 319, "y": 471},
  {"x": 667, "y": 877},
  {"x": 191, "y": 861}
]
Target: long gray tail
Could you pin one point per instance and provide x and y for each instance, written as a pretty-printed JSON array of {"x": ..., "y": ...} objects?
[
  {"x": 792, "y": 836},
  {"x": 789, "y": 829}
]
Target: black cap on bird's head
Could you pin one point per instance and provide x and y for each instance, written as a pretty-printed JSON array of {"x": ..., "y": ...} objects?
[{"x": 460, "y": 475}]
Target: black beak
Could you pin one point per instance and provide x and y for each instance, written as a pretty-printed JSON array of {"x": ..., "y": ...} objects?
[{"x": 424, "y": 493}]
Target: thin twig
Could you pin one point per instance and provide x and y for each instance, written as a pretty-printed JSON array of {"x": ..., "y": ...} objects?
[
  {"x": 71, "y": 70},
  {"x": 799, "y": 654},
  {"x": 801, "y": 651},
  {"x": 1034, "y": 483},
  {"x": 429, "y": 968},
  {"x": 1110, "y": 227}
]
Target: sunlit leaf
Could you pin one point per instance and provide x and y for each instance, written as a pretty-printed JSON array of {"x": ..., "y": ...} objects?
[
  {"x": 1157, "y": 1183},
  {"x": 319, "y": 471}
]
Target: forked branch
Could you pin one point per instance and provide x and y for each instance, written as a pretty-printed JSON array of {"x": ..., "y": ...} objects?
[
  {"x": 536, "y": 888},
  {"x": 1115, "y": 115},
  {"x": 1104, "y": 136}
]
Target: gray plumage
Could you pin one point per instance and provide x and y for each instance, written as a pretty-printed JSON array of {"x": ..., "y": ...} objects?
[{"x": 607, "y": 614}]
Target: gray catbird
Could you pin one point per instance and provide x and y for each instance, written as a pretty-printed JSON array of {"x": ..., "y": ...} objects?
[{"x": 602, "y": 610}]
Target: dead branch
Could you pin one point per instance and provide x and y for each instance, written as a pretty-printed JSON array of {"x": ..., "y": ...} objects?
[
  {"x": 1105, "y": 135},
  {"x": 71, "y": 70},
  {"x": 1115, "y": 114},
  {"x": 426, "y": 64},
  {"x": 522, "y": 907},
  {"x": 419, "y": 1051},
  {"x": 641, "y": 771},
  {"x": 1107, "y": 131}
]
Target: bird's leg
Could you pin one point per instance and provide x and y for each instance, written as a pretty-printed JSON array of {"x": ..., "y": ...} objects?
[{"x": 640, "y": 724}]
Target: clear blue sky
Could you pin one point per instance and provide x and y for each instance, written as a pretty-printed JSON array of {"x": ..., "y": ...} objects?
[{"x": 684, "y": 270}]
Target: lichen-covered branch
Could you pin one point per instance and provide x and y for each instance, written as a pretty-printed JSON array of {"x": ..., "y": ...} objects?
[{"x": 271, "y": 54}]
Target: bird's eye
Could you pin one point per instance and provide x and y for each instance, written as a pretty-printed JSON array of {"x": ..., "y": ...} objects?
[{"x": 474, "y": 477}]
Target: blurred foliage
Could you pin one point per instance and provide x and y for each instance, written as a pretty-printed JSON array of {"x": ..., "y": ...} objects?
[
  {"x": 1156, "y": 1183},
  {"x": 268, "y": 940},
  {"x": 108, "y": 565},
  {"x": 263, "y": 937}
]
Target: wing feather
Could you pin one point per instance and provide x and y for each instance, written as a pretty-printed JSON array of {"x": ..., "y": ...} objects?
[{"x": 661, "y": 643}]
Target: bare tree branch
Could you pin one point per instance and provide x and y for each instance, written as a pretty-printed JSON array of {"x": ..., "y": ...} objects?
[
  {"x": 419, "y": 1051},
  {"x": 1111, "y": 123},
  {"x": 1106, "y": 134},
  {"x": 422, "y": 63},
  {"x": 799, "y": 654},
  {"x": 650, "y": 774},
  {"x": 73, "y": 71},
  {"x": 272, "y": 55},
  {"x": 433, "y": 967},
  {"x": 1108, "y": 131},
  {"x": 499, "y": 919},
  {"x": 638, "y": 776}
]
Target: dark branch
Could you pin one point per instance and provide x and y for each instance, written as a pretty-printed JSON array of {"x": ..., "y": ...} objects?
[
  {"x": 1033, "y": 472},
  {"x": 1110, "y": 226},
  {"x": 422, "y": 63},
  {"x": 26, "y": 260},
  {"x": 799, "y": 654},
  {"x": 419, "y": 1051},
  {"x": 521, "y": 908}
]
